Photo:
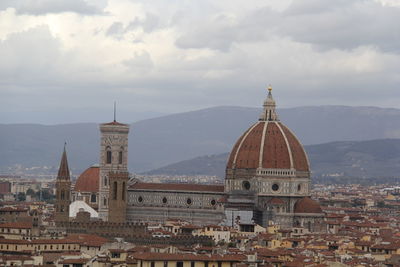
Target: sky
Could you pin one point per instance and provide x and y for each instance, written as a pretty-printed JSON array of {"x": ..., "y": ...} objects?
[{"x": 64, "y": 61}]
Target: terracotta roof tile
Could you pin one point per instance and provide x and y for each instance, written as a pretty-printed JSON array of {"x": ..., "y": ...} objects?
[
  {"x": 17, "y": 225},
  {"x": 278, "y": 144},
  {"x": 307, "y": 205},
  {"x": 188, "y": 257},
  {"x": 88, "y": 181}
]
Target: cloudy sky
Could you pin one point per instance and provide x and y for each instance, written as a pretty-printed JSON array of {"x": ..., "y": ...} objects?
[{"x": 67, "y": 60}]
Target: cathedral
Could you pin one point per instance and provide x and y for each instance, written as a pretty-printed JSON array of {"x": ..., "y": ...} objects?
[{"x": 267, "y": 181}]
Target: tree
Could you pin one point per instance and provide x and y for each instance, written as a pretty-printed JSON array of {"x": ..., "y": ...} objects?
[
  {"x": 21, "y": 196},
  {"x": 381, "y": 204},
  {"x": 30, "y": 192}
]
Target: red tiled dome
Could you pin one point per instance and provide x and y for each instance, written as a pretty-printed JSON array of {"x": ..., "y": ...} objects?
[
  {"x": 88, "y": 181},
  {"x": 307, "y": 205},
  {"x": 268, "y": 145}
]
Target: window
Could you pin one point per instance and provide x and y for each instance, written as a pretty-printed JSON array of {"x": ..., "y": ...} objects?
[
  {"x": 140, "y": 199},
  {"x": 105, "y": 181},
  {"x": 115, "y": 189},
  {"x": 192, "y": 264},
  {"x": 120, "y": 154},
  {"x": 246, "y": 185},
  {"x": 164, "y": 200},
  {"x": 123, "y": 191},
  {"x": 62, "y": 194},
  {"x": 93, "y": 198},
  {"x": 179, "y": 264},
  {"x": 105, "y": 201},
  {"x": 189, "y": 201},
  {"x": 108, "y": 155},
  {"x": 152, "y": 264},
  {"x": 115, "y": 255},
  {"x": 275, "y": 187}
]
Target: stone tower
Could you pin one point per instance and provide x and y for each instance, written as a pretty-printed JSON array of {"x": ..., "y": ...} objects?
[
  {"x": 118, "y": 196},
  {"x": 113, "y": 158},
  {"x": 63, "y": 191}
]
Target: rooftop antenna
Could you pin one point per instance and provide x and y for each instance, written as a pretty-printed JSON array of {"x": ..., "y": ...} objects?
[{"x": 115, "y": 111}]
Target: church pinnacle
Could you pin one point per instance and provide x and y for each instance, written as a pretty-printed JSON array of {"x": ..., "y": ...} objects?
[
  {"x": 63, "y": 171},
  {"x": 269, "y": 113}
]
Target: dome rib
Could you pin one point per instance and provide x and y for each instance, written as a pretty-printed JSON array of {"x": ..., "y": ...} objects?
[
  {"x": 260, "y": 158},
  {"x": 269, "y": 144},
  {"x": 275, "y": 154},
  {"x": 289, "y": 148},
  {"x": 301, "y": 161},
  {"x": 239, "y": 148}
]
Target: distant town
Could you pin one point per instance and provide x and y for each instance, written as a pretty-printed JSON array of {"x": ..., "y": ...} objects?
[{"x": 362, "y": 229}]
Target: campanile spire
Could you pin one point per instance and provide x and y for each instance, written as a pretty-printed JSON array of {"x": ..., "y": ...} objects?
[
  {"x": 63, "y": 171},
  {"x": 63, "y": 190},
  {"x": 269, "y": 113}
]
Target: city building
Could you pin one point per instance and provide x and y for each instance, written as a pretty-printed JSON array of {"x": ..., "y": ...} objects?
[{"x": 267, "y": 181}]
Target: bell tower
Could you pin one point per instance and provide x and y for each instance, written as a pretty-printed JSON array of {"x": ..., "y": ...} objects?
[
  {"x": 113, "y": 159},
  {"x": 118, "y": 196},
  {"x": 63, "y": 191}
]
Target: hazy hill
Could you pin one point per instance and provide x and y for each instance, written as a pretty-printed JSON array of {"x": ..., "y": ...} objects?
[
  {"x": 164, "y": 140},
  {"x": 368, "y": 159}
]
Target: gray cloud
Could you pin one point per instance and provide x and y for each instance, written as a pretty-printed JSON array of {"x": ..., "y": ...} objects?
[
  {"x": 150, "y": 23},
  {"x": 29, "y": 57},
  {"x": 312, "y": 53},
  {"x": 116, "y": 29},
  {"x": 140, "y": 62},
  {"x": 42, "y": 7},
  {"x": 342, "y": 24}
]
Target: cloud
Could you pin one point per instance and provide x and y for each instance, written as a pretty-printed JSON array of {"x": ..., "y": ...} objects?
[
  {"x": 342, "y": 24},
  {"x": 172, "y": 57},
  {"x": 140, "y": 62},
  {"x": 325, "y": 24},
  {"x": 42, "y": 7},
  {"x": 29, "y": 57}
]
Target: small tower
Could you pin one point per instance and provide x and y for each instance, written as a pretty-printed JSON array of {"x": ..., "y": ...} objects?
[
  {"x": 63, "y": 191},
  {"x": 118, "y": 196},
  {"x": 269, "y": 113},
  {"x": 113, "y": 158}
]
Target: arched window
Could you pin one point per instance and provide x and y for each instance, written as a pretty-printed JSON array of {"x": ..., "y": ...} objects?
[
  {"x": 105, "y": 181},
  {"x": 108, "y": 155},
  {"x": 105, "y": 201},
  {"x": 93, "y": 198},
  {"x": 115, "y": 189},
  {"x": 120, "y": 154},
  {"x": 62, "y": 194},
  {"x": 123, "y": 191},
  {"x": 309, "y": 226}
]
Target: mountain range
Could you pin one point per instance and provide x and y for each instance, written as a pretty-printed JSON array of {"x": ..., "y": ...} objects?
[
  {"x": 364, "y": 159},
  {"x": 161, "y": 141}
]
